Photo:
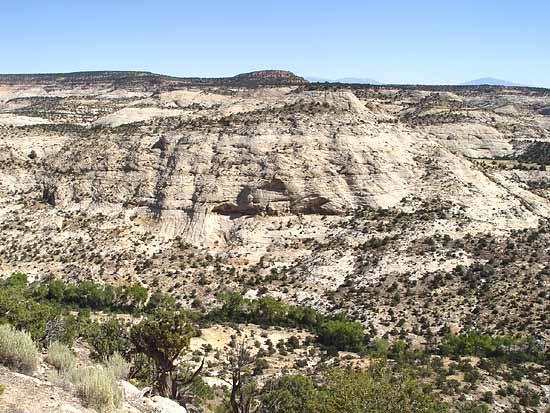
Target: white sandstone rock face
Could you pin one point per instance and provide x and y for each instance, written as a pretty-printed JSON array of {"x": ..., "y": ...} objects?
[
  {"x": 160, "y": 404},
  {"x": 130, "y": 391},
  {"x": 132, "y": 115},
  {"x": 14, "y": 120},
  {"x": 284, "y": 152},
  {"x": 300, "y": 153},
  {"x": 126, "y": 182}
]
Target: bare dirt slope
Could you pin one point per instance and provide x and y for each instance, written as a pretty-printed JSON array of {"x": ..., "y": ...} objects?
[{"x": 26, "y": 394}]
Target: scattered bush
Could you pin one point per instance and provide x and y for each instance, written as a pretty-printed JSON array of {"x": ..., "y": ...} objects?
[
  {"x": 17, "y": 349},
  {"x": 118, "y": 366},
  {"x": 97, "y": 387},
  {"x": 528, "y": 397},
  {"x": 61, "y": 357}
]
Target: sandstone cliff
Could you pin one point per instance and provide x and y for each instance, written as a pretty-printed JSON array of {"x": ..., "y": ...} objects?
[{"x": 311, "y": 190}]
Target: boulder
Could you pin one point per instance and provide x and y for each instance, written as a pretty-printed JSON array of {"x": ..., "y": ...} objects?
[{"x": 160, "y": 404}]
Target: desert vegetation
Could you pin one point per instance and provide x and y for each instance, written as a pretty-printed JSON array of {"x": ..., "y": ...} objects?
[
  {"x": 154, "y": 349},
  {"x": 263, "y": 244}
]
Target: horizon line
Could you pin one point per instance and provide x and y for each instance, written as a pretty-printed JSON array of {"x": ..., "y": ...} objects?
[{"x": 306, "y": 77}]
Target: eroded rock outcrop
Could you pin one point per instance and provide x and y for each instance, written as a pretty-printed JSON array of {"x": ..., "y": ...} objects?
[
  {"x": 320, "y": 153},
  {"x": 310, "y": 191}
]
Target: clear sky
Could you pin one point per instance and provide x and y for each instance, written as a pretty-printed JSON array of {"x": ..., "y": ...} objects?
[{"x": 393, "y": 41}]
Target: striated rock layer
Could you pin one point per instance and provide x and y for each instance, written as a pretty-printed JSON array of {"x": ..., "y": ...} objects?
[
  {"x": 326, "y": 195},
  {"x": 289, "y": 152}
]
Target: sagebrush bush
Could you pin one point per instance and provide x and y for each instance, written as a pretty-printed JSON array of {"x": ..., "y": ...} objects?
[
  {"x": 17, "y": 349},
  {"x": 118, "y": 366},
  {"x": 98, "y": 388},
  {"x": 61, "y": 357}
]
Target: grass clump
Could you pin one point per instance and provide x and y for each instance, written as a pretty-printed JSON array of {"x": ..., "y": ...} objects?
[
  {"x": 118, "y": 366},
  {"x": 2, "y": 389},
  {"x": 97, "y": 387},
  {"x": 17, "y": 349},
  {"x": 61, "y": 357}
]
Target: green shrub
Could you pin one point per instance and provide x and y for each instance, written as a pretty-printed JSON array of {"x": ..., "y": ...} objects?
[
  {"x": 289, "y": 394},
  {"x": 265, "y": 311},
  {"x": 2, "y": 389},
  {"x": 24, "y": 313},
  {"x": 17, "y": 349},
  {"x": 88, "y": 294},
  {"x": 164, "y": 336},
  {"x": 377, "y": 390},
  {"x": 342, "y": 335},
  {"x": 472, "y": 407},
  {"x": 380, "y": 348},
  {"x": 61, "y": 357},
  {"x": 17, "y": 280},
  {"x": 97, "y": 387},
  {"x": 107, "y": 338},
  {"x": 514, "y": 349}
]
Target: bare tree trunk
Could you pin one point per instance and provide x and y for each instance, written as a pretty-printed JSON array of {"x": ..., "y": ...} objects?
[
  {"x": 241, "y": 362},
  {"x": 165, "y": 383},
  {"x": 235, "y": 388}
]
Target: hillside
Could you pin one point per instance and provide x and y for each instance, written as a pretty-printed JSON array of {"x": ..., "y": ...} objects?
[
  {"x": 418, "y": 211},
  {"x": 144, "y": 80}
]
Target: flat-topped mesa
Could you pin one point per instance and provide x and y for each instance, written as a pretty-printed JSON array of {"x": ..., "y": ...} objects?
[
  {"x": 78, "y": 78},
  {"x": 147, "y": 79},
  {"x": 271, "y": 76}
]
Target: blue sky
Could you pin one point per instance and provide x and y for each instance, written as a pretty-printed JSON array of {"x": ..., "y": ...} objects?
[{"x": 394, "y": 41}]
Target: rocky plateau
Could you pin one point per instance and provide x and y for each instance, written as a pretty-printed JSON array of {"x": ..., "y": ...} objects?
[{"x": 333, "y": 196}]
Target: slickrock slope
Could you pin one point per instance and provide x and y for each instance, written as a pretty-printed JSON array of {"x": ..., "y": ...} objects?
[
  {"x": 46, "y": 392},
  {"x": 330, "y": 196}
]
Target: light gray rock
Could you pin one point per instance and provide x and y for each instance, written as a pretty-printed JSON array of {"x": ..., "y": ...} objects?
[
  {"x": 130, "y": 391},
  {"x": 163, "y": 405},
  {"x": 67, "y": 408}
]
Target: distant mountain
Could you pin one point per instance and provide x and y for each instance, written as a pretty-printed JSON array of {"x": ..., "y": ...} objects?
[
  {"x": 316, "y": 79},
  {"x": 362, "y": 80},
  {"x": 489, "y": 81}
]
